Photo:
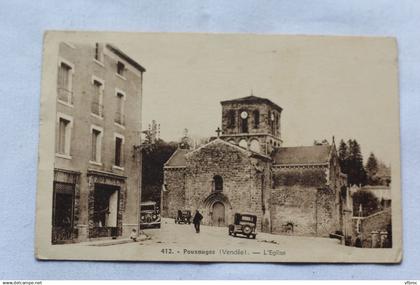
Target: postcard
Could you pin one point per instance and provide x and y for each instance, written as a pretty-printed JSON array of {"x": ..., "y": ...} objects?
[{"x": 190, "y": 147}]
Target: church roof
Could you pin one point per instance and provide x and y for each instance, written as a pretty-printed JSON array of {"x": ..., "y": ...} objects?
[
  {"x": 247, "y": 151},
  {"x": 177, "y": 159},
  {"x": 252, "y": 99},
  {"x": 315, "y": 154}
]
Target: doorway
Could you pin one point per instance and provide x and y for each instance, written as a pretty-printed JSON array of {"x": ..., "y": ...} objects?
[
  {"x": 63, "y": 212},
  {"x": 218, "y": 214},
  {"x": 106, "y": 208}
]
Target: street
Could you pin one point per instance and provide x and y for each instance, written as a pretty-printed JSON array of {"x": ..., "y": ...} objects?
[
  {"x": 174, "y": 242},
  {"x": 184, "y": 236}
]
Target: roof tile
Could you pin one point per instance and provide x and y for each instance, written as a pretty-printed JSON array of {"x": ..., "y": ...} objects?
[{"x": 177, "y": 158}]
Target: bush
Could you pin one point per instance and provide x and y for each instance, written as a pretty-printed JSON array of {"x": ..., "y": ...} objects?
[{"x": 370, "y": 204}]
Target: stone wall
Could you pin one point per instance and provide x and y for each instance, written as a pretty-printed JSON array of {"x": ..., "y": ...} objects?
[
  {"x": 265, "y": 184},
  {"x": 293, "y": 210},
  {"x": 264, "y": 121},
  {"x": 266, "y": 142},
  {"x": 306, "y": 177},
  {"x": 286, "y": 200},
  {"x": 173, "y": 198},
  {"x": 328, "y": 215},
  {"x": 267, "y": 138},
  {"x": 301, "y": 202},
  {"x": 242, "y": 177},
  {"x": 378, "y": 222}
]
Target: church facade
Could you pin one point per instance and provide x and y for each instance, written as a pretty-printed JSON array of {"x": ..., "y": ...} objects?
[{"x": 245, "y": 169}]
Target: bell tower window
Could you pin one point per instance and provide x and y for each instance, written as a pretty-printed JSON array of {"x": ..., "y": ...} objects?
[
  {"x": 256, "y": 119},
  {"x": 244, "y": 122},
  {"x": 272, "y": 122},
  {"x": 244, "y": 125},
  {"x": 231, "y": 119}
]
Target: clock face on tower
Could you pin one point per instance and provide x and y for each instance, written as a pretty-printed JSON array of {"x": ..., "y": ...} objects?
[{"x": 244, "y": 115}]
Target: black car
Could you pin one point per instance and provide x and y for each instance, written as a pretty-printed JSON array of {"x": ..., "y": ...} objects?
[
  {"x": 244, "y": 224},
  {"x": 149, "y": 215},
  {"x": 183, "y": 217}
]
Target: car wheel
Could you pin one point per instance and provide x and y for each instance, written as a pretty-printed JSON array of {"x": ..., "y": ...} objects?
[{"x": 247, "y": 230}]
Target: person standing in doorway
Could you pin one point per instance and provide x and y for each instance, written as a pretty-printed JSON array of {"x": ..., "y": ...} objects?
[{"x": 197, "y": 220}]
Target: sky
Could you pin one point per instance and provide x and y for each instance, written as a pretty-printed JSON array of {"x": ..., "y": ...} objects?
[{"x": 327, "y": 86}]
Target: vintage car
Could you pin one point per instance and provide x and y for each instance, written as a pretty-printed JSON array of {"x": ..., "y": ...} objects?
[
  {"x": 149, "y": 215},
  {"x": 244, "y": 224},
  {"x": 183, "y": 217}
]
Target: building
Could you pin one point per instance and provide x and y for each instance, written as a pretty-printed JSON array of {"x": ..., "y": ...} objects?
[
  {"x": 291, "y": 190},
  {"x": 98, "y": 126}
]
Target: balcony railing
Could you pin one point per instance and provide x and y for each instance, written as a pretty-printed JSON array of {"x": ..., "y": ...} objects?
[
  {"x": 120, "y": 118},
  {"x": 97, "y": 109},
  {"x": 65, "y": 95}
]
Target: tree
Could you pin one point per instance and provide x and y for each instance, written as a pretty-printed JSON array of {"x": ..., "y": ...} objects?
[
  {"x": 355, "y": 171},
  {"x": 351, "y": 163},
  {"x": 383, "y": 174},
  {"x": 370, "y": 204},
  {"x": 154, "y": 156},
  {"x": 372, "y": 165},
  {"x": 372, "y": 170},
  {"x": 343, "y": 155}
]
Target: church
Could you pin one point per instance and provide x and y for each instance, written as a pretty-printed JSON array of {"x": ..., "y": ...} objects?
[{"x": 245, "y": 169}]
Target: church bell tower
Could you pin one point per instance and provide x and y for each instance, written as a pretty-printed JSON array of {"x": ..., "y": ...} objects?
[{"x": 253, "y": 123}]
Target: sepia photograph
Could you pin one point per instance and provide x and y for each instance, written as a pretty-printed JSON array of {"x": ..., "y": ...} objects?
[{"x": 219, "y": 148}]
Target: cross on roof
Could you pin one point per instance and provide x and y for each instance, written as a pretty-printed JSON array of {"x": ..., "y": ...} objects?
[{"x": 218, "y": 131}]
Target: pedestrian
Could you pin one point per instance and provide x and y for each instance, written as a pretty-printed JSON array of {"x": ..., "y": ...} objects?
[
  {"x": 133, "y": 235},
  {"x": 197, "y": 220},
  {"x": 358, "y": 242}
]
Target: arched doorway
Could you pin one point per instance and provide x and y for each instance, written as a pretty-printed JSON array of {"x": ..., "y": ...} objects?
[{"x": 218, "y": 214}]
